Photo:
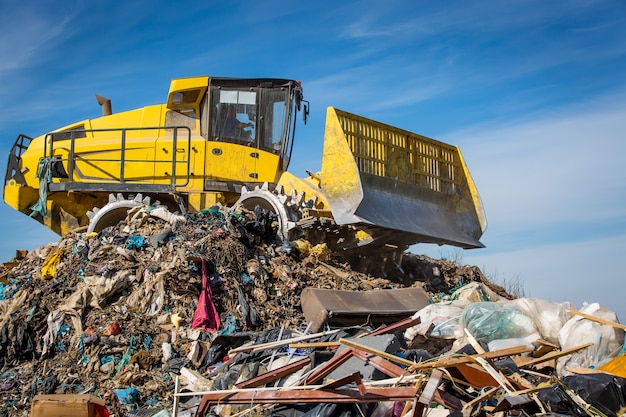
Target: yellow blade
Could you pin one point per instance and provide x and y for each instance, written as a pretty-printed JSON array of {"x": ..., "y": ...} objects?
[{"x": 379, "y": 175}]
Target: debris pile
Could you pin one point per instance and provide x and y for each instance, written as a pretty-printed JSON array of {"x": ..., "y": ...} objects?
[{"x": 211, "y": 314}]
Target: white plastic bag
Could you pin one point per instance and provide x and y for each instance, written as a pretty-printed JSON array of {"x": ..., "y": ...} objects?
[
  {"x": 607, "y": 340},
  {"x": 548, "y": 317},
  {"x": 438, "y": 320}
]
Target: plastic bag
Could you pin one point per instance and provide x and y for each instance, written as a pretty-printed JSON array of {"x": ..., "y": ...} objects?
[
  {"x": 127, "y": 396},
  {"x": 607, "y": 393},
  {"x": 438, "y": 320},
  {"x": 607, "y": 340},
  {"x": 49, "y": 267},
  {"x": 475, "y": 292},
  {"x": 493, "y": 321},
  {"x": 548, "y": 317},
  {"x": 250, "y": 315}
]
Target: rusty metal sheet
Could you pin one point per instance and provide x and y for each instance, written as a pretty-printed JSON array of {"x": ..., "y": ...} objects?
[
  {"x": 275, "y": 374},
  {"x": 345, "y": 308},
  {"x": 292, "y": 396}
]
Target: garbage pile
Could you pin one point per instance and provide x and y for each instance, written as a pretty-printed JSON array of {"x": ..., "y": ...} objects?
[{"x": 211, "y": 314}]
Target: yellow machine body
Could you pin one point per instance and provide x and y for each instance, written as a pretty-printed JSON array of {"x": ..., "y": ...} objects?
[{"x": 378, "y": 183}]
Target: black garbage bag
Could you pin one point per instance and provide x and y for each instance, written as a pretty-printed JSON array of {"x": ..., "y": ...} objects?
[
  {"x": 16, "y": 341},
  {"x": 556, "y": 400},
  {"x": 250, "y": 315},
  {"x": 506, "y": 365},
  {"x": 221, "y": 345},
  {"x": 605, "y": 392},
  {"x": 417, "y": 355},
  {"x": 176, "y": 364},
  {"x": 227, "y": 379},
  {"x": 263, "y": 225},
  {"x": 271, "y": 335},
  {"x": 469, "y": 349},
  {"x": 4, "y": 343},
  {"x": 324, "y": 410}
]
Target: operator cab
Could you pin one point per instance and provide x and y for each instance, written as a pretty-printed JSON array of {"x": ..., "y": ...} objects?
[
  {"x": 255, "y": 112},
  {"x": 260, "y": 113}
]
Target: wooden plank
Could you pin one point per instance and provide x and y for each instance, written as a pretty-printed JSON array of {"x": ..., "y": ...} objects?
[
  {"x": 475, "y": 376},
  {"x": 388, "y": 356},
  {"x": 597, "y": 319},
  {"x": 295, "y": 396},
  {"x": 485, "y": 395},
  {"x": 452, "y": 361},
  {"x": 279, "y": 343},
  {"x": 354, "y": 377},
  {"x": 544, "y": 348},
  {"x": 314, "y": 345},
  {"x": 431, "y": 386},
  {"x": 554, "y": 355},
  {"x": 383, "y": 365},
  {"x": 498, "y": 376},
  {"x": 495, "y": 374}
]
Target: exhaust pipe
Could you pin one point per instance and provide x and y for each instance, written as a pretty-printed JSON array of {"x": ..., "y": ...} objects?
[{"x": 105, "y": 103}]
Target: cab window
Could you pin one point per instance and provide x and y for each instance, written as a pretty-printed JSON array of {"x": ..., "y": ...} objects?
[{"x": 233, "y": 116}]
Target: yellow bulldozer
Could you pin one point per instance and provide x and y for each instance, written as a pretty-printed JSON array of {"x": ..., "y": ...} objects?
[{"x": 229, "y": 141}]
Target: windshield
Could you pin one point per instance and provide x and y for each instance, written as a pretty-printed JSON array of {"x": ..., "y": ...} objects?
[{"x": 252, "y": 116}]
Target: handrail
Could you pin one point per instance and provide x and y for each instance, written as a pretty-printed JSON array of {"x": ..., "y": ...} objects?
[{"x": 82, "y": 134}]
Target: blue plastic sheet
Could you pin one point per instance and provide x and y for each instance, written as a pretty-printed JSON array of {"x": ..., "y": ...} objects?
[
  {"x": 127, "y": 396},
  {"x": 135, "y": 242}
]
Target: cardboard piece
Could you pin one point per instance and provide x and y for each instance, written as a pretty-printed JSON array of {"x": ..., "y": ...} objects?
[{"x": 76, "y": 405}]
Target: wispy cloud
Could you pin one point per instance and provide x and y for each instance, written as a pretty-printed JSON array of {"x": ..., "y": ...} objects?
[
  {"x": 502, "y": 43},
  {"x": 29, "y": 32},
  {"x": 566, "y": 167},
  {"x": 587, "y": 271}
]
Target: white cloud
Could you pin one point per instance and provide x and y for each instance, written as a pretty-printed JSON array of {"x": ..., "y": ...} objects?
[
  {"x": 28, "y": 33},
  {"x": 568, "y": 167},
  {"x": 535, "y": 176},
  {"x": 588, "y": 271}
]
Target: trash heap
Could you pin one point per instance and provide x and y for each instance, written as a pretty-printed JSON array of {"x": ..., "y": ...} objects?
[{"x": 210, "y": 314}]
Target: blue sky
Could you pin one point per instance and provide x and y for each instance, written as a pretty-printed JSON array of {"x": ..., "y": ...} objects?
[{"x": 532, "y": 91}]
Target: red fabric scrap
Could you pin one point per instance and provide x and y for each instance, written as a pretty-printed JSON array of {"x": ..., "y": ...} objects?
[{"x": 206, "y": 315}]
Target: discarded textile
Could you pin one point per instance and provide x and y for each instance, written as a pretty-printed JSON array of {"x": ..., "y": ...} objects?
[{"x": 206, "y": 315}]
